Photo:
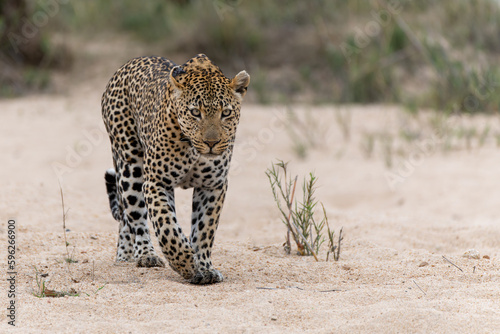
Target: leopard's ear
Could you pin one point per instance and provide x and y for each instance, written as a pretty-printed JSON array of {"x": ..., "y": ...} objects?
[
  {"x": 240, "y": 83},
  {"x": 175, "y": 77}
]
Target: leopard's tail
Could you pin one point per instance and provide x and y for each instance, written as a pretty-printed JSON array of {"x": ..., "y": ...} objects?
[{"x": 114, "y": 203}]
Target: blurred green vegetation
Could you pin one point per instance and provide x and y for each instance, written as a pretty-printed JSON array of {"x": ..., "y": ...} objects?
[{"x": 423, "y": 54}]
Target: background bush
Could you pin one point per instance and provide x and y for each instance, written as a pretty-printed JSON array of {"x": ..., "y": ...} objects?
[{"x": 426, "y": 54}]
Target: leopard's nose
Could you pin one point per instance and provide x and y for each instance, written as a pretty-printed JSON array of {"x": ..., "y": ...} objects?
[{"x": 211, "y": 143}]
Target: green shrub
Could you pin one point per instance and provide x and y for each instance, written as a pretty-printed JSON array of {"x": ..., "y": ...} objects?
[{"x": 432, "y": 54}]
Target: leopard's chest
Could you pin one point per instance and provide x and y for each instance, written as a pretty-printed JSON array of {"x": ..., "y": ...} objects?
[{"x": 205, "y": 172}]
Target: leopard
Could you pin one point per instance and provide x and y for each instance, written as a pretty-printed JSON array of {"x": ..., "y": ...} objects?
[{"x": 170, "y": 126}]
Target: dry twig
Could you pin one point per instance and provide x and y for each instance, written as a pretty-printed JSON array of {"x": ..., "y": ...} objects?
[
  {"x": 452, "y": 264},
  {"x": 418, "y": 286}
]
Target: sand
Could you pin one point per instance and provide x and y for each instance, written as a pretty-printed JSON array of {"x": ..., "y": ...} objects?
[{"x": 391, "y": 277}]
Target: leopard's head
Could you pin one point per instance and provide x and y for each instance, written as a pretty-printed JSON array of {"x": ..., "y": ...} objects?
[{"x": 207, "y": 103}]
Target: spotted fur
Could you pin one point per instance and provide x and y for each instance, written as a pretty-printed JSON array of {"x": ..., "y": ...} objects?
[{"x": 170, "y": 126}]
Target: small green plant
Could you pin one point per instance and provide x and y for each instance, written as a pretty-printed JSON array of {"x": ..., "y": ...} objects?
[
  {"x": 299, "y": 133},
  {"x": 409, "y": 135},
  {"x": 467, "y": 133},
  {"x": 298, "y": 217},
  {"x": 343, "y": 119},
  {"x": 387, "y": 149},
  {"x": 43, "y": 291},
  {"x": 69, "y": 258},
  {"x": 483, "y": 136},
  {"x": 303, "y": 216},
  {"x": 308, "y": 133},
  {"x": 333, "y": 245},
  {"x": 368, "y": 144},
  {"x": 40, "y": 283},
  {"x": 96, "y": 291}
]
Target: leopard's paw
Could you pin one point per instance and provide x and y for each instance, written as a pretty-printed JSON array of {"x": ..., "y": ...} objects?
[
  {"x": 209, "y": 276},
  {"x": 149, "y": 260}
]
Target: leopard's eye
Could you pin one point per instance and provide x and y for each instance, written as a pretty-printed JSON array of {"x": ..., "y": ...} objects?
[
  {"x": 226, "y": 112},
  {"x": 196, "y": 113}
]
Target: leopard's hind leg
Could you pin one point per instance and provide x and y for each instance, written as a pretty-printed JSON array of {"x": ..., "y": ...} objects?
[
  {"x": 125, "y": 246},
  {"x": 127, "y": 204}
]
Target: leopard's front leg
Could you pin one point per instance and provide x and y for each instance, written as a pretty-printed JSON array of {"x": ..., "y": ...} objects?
[
  {"x": 207, "y": 206},
  {"x": 174, "y": 244}
]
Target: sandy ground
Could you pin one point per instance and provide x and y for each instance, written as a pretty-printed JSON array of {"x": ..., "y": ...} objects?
[{"x": 446, "y": 204}]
